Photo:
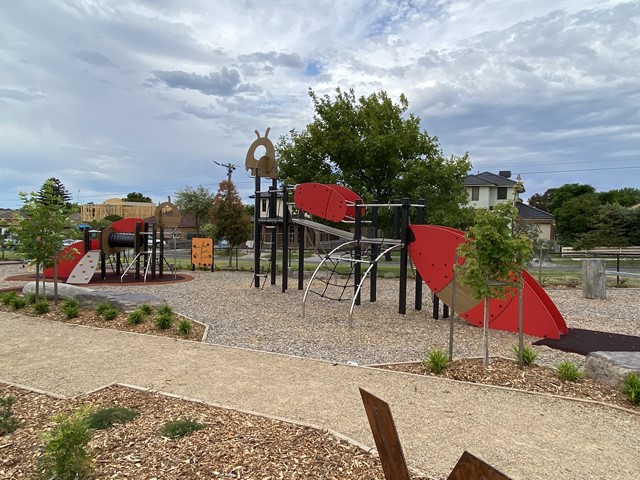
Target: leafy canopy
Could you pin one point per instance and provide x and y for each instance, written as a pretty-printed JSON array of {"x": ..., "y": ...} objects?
[
  {"x": 491, "y": 253},
  {"x": 136, "y": 197},
  {"x": 197, "y": 202},
  {"x": 376, "y": 148},
  {"x": 229, "y": 216}
]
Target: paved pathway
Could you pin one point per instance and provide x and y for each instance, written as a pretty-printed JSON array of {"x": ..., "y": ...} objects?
[{"x": 524, "y": 435}]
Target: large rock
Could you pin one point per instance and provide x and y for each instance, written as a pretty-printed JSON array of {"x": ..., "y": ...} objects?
[
  {"x": 89, "y": 298},
  {"x": 611, "y": 367}
]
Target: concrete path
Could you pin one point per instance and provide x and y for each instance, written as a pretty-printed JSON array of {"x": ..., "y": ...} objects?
[{"x": 524, "y": 435}]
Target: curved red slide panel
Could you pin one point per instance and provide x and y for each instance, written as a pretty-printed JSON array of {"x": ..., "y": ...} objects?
[
  {"x": 68, "y": 257},
  {"x": 320, "y": 200},
  {"x": 350, "y": 197},
  {"x": 433, "y": 253}
]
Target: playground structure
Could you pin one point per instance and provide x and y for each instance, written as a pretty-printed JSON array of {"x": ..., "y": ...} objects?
[
  {"x": 431, "y": 249},
  {"x": 126, "y": 244}
]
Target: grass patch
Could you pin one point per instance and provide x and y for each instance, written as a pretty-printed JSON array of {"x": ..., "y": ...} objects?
[
  {"x": 184, "y": 327},
  {"x": 529, "y": 355},
  {"x": 18, "y": 303},
  {"x": 136, "y": 317},
  {"x": 165, "y": 309},
  {"x": 7, "y": 297},
  {"x": 180, "y": 428},
  {"x": 569, "y": 371},
  {"x": 631, "y": 387},
  {"x": 163, "y": 321},
  {"x": 41, "y": 307},
  {"x": 146, "y": 309},
  {"x": 110, "y": 416},
  {"x": 8, "y": 423},
  {"x": 436, "y": 361}
]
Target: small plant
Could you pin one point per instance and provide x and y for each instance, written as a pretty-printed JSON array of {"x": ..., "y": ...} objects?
[
  {"x": 436, "y": 361},
  {"x": 66, "y": 454},
  {"x": 8, "y": 423},
  {"x": 529, "y": 355},
  {"x": 569, "y": 371},
  {"x": 7, "y": 297},
  {"x": 41, "y": 307},
  {"x": 31, "y": 298},
  {"x": 146, "y": 309},
  {"x": 165, "y": 309},
  {"x": 632, "y": 387},
  {"x": 110, "y": 416},
  {"x": 110, "y": 314},
  {"x": 103, "y": 307},
  {"x": 70, "y": 308},
  {"x": 163, "y": 321},
  {"x": 184, "y": 327},
  {"x": 180, "y": 428},
  {"x": 135, "y": 317},
  {"x": 18, "y": 303}
]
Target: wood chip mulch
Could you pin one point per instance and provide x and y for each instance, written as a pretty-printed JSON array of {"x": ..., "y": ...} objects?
[{"x": 233, "y": 445}]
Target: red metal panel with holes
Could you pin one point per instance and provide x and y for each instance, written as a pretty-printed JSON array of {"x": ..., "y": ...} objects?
[
  {"x": 320, "y": 200},
  {"x": 350, "y": 197}
]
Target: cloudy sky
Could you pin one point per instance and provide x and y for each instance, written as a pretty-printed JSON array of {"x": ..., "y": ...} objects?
[{"x": 116, "y": 96}]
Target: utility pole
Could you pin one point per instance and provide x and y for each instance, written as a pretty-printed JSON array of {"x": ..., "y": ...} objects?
[{"x": 230, "y": 168}]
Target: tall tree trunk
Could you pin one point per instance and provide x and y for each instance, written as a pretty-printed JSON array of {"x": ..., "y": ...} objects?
[{"x": 55, "y": 280}]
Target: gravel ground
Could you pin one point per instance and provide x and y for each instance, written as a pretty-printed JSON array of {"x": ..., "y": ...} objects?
[{"x": 269, "y": 320}]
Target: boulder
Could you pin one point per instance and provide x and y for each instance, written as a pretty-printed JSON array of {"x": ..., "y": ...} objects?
[
  {"x": 88, "y": 298},
  {"x": 611, "y": 367}
]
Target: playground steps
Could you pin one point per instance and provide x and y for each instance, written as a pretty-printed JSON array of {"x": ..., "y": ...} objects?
[{"x": 83, "y": 272}]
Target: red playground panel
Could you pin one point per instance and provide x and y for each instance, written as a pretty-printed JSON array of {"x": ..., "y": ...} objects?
[
  {"x": 433, "y": 252},
  {"x": 320, "y": 200}
]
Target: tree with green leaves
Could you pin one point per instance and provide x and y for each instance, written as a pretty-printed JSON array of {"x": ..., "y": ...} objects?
[
  {"x": 625, "y": 197},
  {"x": 137, "y": 197},
  {"x": 493, "y": 258},
  {"x": 196, "y": 202},
  {"x": 43, "y": 224},
  {"x": 606, "y": 228},
  {"x": 574, "y": 217},
  {"x": 374, "y": 147},
  {"x": 541, "y": 201},
  {"x": 569, "y": 191},
  {"x": 229, "y": 217}
]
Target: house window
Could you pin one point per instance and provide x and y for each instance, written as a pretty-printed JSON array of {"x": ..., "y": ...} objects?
[
  {"x": 264, "y": 204},
  {"x": 475, "y": 193},
  {"x": 502, "y": 193}
]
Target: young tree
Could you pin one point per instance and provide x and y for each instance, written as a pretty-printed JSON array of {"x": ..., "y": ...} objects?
[
  {"x": 493, "y": 258},
  {"x": 43, "y": 224},
  {"x": 136, "y": 197},
  {"x": 197, "y": 202},
  {"x": 372, "y": 146},
  {"x": 229, "y": 217}
]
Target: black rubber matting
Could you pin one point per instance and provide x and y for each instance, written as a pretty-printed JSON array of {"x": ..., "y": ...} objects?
[{"x": 584, "y": 342}]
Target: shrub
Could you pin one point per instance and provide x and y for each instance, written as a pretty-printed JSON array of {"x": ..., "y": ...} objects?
[
  {"x": 103, "y": 307},
  {"x": 110, "y": 314},
  {"x": 135, "y": 317},
  {"x": 66, "y": 454},
  {"x": 7, "y": 297},
  {"x": 180, "y": 428},
  {"x": 18, "y": 303},
  {"x": 163, "y": 321},
  {"x": 41, "y": 307},
  {"x": 569, "y": 371},
  {"x": 31, "y": 298},
  {"x": 632, "y": 387},
  {"x": 110, "y": 416},
  {"x": 8, "y": 423},
  {"x": 529, "y": 355},
  {"x": 71, "y": 308},
  {"x": 165, "y": 309},
  {"x": 436, "y": 361},
  {"x": 184, "y": 327},
  {"x": 146, "y": 309}
]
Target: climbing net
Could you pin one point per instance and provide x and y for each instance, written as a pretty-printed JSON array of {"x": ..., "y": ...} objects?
[{"x": 338, "y": 272}]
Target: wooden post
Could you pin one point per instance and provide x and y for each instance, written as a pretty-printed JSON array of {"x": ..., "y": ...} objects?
[{"x": 593, "y": 278}]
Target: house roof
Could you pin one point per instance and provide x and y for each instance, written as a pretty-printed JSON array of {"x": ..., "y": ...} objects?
[
  {"x": 487, "y": 179},
  {"x": 527, "y": 212}
]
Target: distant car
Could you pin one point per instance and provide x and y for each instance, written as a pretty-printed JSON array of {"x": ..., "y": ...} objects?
[{"x": 68, "y": 241}]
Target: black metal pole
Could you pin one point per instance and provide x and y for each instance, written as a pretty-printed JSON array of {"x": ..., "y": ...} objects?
[
  {"x": 357, "y": 236},
  {"x": 436, "y": 307},
  {"x": 402, "y": 304},
  {"x": 285, "y": 239},
  {"x": 256, "y": 236},
  {"x": 137, "y": 248},
  {"x": 300, "y": 253},
  {"x": 375, "y": 250},
  {"x": 418, "y": 303},
  {"x": 273, "y": 213}
]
